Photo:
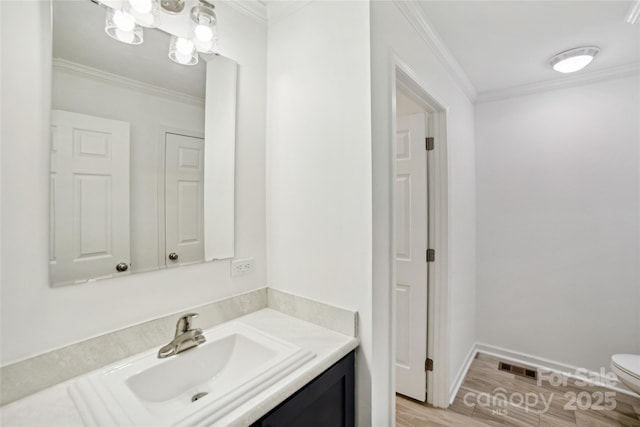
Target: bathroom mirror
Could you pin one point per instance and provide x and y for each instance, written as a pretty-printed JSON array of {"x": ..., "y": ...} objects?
[{"x": 142, "y": 152}]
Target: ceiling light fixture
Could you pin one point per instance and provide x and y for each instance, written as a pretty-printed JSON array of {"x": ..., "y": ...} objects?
[{"x": 574, "y": 60}]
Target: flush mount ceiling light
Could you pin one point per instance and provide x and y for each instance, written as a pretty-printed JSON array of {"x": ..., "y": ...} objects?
[{"x": 574, "y": 60}]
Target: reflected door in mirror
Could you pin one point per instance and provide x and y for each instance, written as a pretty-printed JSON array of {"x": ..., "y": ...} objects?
[
  {"x": 184, "y": 187},
  {"x": 89, "y": 197}
]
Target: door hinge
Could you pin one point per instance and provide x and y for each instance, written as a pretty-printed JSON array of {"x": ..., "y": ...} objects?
[
  {"x": 428, "y": 365},
  {"x": 431, "y": 255},
  {"x": 429, "y": 143}
]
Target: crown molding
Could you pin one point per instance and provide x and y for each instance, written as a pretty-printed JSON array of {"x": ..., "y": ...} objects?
[
  {"x": 627, "y": 70},
  {"x": 254, "y": 9},
  {"x": 633, "y": 15},
  {"x": 417, "y": 17},
  {"x": 76, "y": 69}
]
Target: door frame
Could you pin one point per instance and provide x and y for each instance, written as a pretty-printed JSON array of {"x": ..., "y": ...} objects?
[
  {"x": 405, "y": 78},
  {"x": 162, "y": 137}
]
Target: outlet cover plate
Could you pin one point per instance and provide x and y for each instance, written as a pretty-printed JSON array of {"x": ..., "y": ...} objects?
[{"x": 241, "y": 267}]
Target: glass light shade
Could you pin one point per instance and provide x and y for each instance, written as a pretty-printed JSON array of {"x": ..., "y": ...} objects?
[
  {"x": 203, "y": 33},
  {"x": 121, "y": 26},
  {"x": 149, "y": 19},
  {"x": 141, "y": 6},
  {"x": 573, "y": 60},
  {"x": 183, "y": 51},
  {"x": 209, "y": 46},
  {"x": 203, "y": 22}
]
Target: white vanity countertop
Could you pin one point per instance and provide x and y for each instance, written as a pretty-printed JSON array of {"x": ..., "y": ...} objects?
[{"x": 54, "y": 407}]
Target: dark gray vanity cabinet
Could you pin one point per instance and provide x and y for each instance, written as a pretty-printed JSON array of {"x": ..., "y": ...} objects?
[{"x": 327, "y": 401}]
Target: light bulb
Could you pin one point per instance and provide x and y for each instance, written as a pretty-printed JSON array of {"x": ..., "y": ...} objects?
[
  {"x": 147, "y": 20},
  {"x": 182, "y": 51},
  {"x": 121, "y": 26},
  {"x": 203, "y": 33},
  {"x": 125, "y": 36},
  {"x": 184, "y": 46},
  {"x": 150, "y": 18},
  {"x": 141, "y": 6},
  {"x": 204, "y": 46},
  {"x": 123, "y": 21},
  {"x": 183, "y": 58},
  {"x": 573, "y": 64}
]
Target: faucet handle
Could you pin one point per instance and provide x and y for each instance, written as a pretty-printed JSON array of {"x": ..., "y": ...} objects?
[{"x": 184, "y": 323}]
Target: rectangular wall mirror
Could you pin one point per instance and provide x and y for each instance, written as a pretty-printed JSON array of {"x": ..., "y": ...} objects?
[{"x": 142, "y": 152}]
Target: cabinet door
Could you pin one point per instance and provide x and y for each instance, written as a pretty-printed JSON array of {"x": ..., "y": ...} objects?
[{"x": 327, "y": 401}]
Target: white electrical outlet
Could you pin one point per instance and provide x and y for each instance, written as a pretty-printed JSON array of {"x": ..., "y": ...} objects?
[{"x": 240, "y": 267}]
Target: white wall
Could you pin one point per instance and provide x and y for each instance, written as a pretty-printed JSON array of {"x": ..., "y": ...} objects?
[
  {"x": 52, "y": 318},
  {"x": 149, "y": 116},
  {"x": 319, "y": 163},
  {"x": 558, "y": 189},
  {"x": 391, "y": 32}
]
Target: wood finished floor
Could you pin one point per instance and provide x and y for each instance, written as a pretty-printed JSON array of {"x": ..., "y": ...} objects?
[{"x": 496, "y": 397}]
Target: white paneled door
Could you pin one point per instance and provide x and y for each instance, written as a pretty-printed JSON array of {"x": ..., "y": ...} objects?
[
  {"x": 89, "y": 198},
  {"x": 184, "y": 187},
  {"x": 411, "y": 265}
]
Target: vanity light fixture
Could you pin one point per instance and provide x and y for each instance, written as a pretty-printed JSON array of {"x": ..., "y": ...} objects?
[
  {"x": 203, "y": 22},
  {"x": 199, "y": 27},
  {"x": 145, "y": 12},
  {"x": 573, "y": 60},
  {"x": 172, "y": 7},
  {"x": 141, "y": 6},
  {"x": 122, "y": 26},
  {"x": 183, "y": 51}
]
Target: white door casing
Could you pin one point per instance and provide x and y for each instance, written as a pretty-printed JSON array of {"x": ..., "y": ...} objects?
[
  {"x": 411, "y": 265},
  {"x": 184, "y": 187},
  {"x": 89, "y": 198}
]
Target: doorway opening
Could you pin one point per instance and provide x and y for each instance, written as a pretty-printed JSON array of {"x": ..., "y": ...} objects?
[{"x": 419, "y": 294}]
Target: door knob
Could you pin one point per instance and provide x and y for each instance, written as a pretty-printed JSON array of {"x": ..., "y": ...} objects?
[
  {"x": 122, "y": 267},
  {"x": 173, "y": 256}
]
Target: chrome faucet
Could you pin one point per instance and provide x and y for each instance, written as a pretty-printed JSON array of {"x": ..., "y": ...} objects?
[{"x": 184, "y": 339}]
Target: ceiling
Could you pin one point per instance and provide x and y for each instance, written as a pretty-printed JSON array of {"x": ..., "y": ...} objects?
[
  {"x": 79, "y": 36},
  {"x": 506, "y": 44}
]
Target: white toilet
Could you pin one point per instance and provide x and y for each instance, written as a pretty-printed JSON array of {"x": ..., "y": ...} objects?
[{"x": 627, "y": 368}]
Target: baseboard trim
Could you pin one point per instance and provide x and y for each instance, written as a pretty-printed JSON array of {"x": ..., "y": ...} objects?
[
  {"x": 548, "y": 365},
  {"x": 457, "y": 383}
]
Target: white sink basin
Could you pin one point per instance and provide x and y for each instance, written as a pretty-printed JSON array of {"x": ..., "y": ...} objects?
[{"x": 236, "y": 363}]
